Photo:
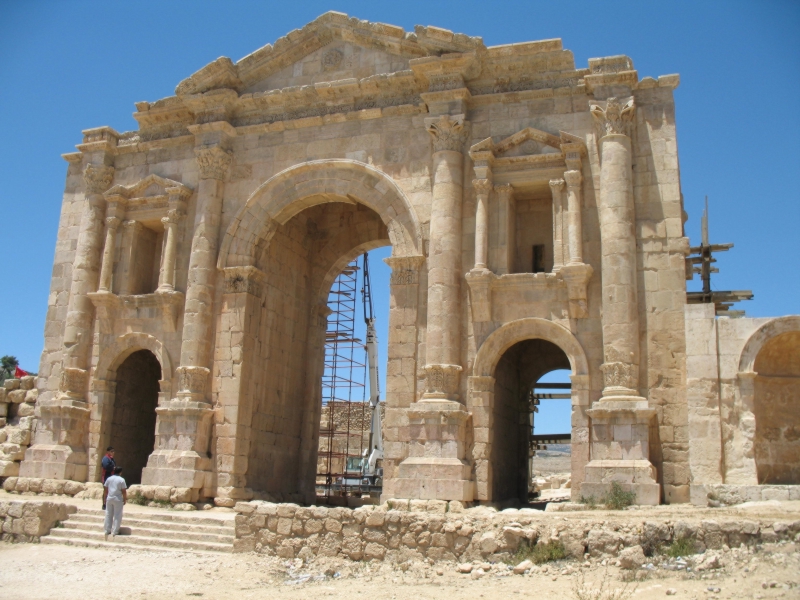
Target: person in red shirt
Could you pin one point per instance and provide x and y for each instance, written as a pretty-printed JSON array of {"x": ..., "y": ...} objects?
[{"x": 108, "y": 465}]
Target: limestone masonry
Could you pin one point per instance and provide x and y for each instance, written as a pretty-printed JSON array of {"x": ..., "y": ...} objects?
[{"x": 536, "y": 221}]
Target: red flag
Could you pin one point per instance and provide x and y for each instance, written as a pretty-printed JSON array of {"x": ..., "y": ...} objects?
[{"x": 19, "y": 373}]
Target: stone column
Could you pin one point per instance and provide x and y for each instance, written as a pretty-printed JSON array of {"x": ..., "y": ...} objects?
[
  {"x": 166, "y": 276},
  {"x": 107, "y": 267},
  {"x": 183, "y": 430},
  {"x": 443, "y": 340},
  {"x": 483, "y": 188},
  {"x": 620, "y": 420},
  {"x": 557, "y": 191},
  {"x": 437, "y": 425},
  {"x": 59, "y": 448},
  {"x": 507, "y": 229},
  {"x": 574, "y": 180}
]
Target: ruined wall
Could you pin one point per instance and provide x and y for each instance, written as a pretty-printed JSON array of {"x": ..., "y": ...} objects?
[
  {"x": 18, "y": 400},
  {"x": 416, "y": 530},
  {"x": 732, "y": 405}
]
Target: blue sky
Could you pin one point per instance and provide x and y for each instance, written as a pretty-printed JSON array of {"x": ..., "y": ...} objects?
[{"x": 68, "y": 66}]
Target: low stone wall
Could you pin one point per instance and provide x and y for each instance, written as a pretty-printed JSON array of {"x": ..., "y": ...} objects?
[
  {"x": 416, "y": 530},
  {"x": 17, "y": 406},
  {"x": 728, "y": 495},
  {"x": 28, "y": 520},
  {"x": 33, "y": 486}
]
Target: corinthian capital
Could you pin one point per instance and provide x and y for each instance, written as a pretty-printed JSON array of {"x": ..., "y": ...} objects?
[
  {"x": 448, "y": 132},
  {"x": 573, "y": 179},
  {"x": 213, "y": 162},
  {"x": 616, "y": 117},
  {"x": 98, "y": 178},
  {"x": 482, "y": 186},
  {"x": 556, "y": 185}
]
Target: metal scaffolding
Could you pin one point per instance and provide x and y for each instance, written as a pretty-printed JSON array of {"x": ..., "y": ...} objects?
[{"x": 345, "y": 423}]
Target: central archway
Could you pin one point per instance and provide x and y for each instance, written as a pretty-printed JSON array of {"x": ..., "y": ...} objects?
[{"x": 280, "y": 256}]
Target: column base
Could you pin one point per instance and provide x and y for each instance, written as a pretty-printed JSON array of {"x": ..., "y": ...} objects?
[
  {"x": 437, "y": 469},
  {"x": 54, "y": 461},
  {"x": 182, "y": 458}
]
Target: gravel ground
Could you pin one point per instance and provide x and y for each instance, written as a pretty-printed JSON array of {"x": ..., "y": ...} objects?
[{"x": 45, "y": 572}]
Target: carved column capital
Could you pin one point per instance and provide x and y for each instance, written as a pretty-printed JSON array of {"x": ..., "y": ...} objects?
[
  {"x": 405, "y": 269},
  {"x": 505, "y": 188},
  {"x": 113, "y": 222},
  {"x": 573, "y": 180},
  {"x": 482, "y": 186},
  {"x": 213, "y": 162},
  {"x": 615, "y": 118},
  {"x": 173, "y": 216},
  {"x": 98, "y": 178},
  {"x": 556, "y": 185},
  {"x": 448, "y": 132}
]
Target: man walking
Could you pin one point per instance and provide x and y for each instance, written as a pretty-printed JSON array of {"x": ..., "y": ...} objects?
[{"x": 115, "y": 496}]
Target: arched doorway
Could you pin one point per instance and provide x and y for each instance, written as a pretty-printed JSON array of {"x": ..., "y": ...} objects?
[
  {"x": 519, "y": 368},
  {"x": 133, "y": 421},
  {"x": 279, "y": 257},
  {"x": 508, "y": 364},
  {"x": 776, "y": 406}
]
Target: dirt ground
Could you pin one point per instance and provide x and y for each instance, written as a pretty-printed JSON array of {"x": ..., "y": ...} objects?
[{"x": 47, "y": 572}]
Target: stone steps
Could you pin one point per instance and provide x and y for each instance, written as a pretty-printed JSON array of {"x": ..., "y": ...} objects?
[{"x": 152, "y": 531}]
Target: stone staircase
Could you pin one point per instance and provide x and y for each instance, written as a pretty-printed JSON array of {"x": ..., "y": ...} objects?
[{"x": 148, "y": 531}]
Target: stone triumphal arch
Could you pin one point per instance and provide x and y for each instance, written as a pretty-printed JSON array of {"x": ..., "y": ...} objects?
[{"x": 534, "y": 211}]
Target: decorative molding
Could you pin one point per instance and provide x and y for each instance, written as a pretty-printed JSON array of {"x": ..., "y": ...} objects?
[
  {"x": 573, "y": 179},
  {"x": 441, "y": 381},
  {"x": 213, "y": 162},
  {"x": 73, "y": 383},
  {"x": 192, "y": 383},
  {"x": 620, "y": 375},
  {"x": 244, "y": 280},
  {"x": 405, "y": 269},
  {"x": 98, "y": 178},
  {"x": 614, "y": 118},
  {"x": 113, "y": 222},
  {"x": 332, "y": 59},
  {"x": 448, "y": 132},
  {"x": 482, "y": 186}
]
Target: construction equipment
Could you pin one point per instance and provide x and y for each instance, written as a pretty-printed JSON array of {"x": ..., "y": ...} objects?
[{"x": 363, "y": 475}]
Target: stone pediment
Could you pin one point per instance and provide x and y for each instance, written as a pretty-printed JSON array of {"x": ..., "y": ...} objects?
[
  {"x": 150, "y": 186},
  {"x": 340, "y": 43}
]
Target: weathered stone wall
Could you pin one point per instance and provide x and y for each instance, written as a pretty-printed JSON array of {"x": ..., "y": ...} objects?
[
  {"x": 17, "y": 418},
  {"x": 416, "y": 529},
  {"x": 28, "y": 520}
]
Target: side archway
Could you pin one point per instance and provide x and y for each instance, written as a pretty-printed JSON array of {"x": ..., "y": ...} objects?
[
  {"x": 500, "y": 465},
  {"x": 317, "y": 182},
  {"x": 145, "y": 352},
  {"x": 769, "y": 402}
]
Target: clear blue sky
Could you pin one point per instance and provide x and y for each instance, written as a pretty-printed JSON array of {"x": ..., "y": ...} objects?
[{"x": 68, "y": 66}]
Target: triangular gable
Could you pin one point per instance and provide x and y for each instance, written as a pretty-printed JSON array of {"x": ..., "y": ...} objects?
[
  {"x": 328, "y": 28},
  {"x": 529, "y": 133},
  {"x": 139, "y": 189}
]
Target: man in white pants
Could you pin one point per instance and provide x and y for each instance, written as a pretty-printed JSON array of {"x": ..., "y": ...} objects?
[{"x": 115, "y": 496}]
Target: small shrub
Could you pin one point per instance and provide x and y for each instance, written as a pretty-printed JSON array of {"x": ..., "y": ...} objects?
[
  {"x": 540, "y": 553},
  {"x": 680, "y": 547},
  {"x": 617, "y": 498},
  {"x": 58, "y": 525},
  {"x": 137, "y": 499},
  {"x": 603, "y": 590},
  {"x": 590, "y": 501},
  {"x": 160, "y": 503}
]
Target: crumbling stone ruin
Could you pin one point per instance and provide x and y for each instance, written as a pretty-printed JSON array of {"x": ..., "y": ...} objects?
[{"x": 536, "y": 221}]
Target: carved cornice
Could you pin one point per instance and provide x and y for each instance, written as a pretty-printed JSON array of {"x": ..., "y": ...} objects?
[
  {"x": 213, "y": 162},
  {"x": 615, "y": 118},
  {"x": 98, "y": 178},
  {"x": 448, "y": 132}
]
